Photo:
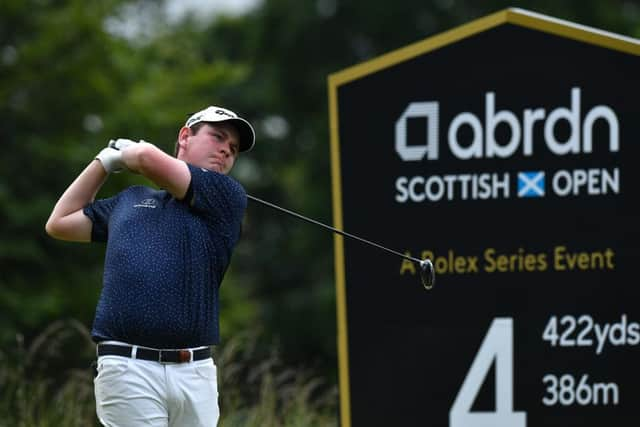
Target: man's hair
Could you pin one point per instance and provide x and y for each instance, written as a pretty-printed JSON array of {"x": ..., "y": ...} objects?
[{"x": 194, "y": 129}]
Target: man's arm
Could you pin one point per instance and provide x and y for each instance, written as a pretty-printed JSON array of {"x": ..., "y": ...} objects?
[
  {"x": 164, "y": 170},
  {"x": 67, "y": 221}
]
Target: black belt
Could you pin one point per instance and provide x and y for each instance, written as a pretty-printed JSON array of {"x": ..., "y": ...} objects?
[{"x": 162, "y": 356}]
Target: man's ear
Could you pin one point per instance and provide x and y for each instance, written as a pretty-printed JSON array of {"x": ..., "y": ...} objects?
[{"x": 183, "y": 137}]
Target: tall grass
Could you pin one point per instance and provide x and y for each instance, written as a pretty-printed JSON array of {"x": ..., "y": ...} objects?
[
  {"x": 261, "y": 391},
  {"x": 49, "y": 383},
  {"x": 44, "y": 385}
]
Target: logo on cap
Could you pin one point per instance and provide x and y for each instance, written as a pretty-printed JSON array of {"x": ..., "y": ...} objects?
[
  {"x": 219, "y": 114},
  {"x": 225, "y": 113}
]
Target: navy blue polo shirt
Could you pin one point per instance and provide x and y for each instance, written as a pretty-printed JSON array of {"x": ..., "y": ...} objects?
[{"x": 165, "y": 260}]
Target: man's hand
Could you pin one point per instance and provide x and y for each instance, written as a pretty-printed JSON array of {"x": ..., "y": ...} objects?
[
  {"x": 111, "y": 160},
  {"x": 121, "y": 143},
  {"x": 111, "y": 157}
]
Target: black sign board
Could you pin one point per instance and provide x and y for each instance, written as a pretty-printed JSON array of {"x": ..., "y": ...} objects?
[{"x": 507, "y": 152}]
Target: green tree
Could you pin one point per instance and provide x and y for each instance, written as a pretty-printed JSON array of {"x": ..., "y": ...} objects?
[
  {"x": 57, "y": 80},
  {"x": 69, "y": 82}
]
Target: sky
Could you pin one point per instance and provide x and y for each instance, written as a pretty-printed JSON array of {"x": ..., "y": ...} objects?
[
  {"x": 177, "y": 8},
  {"x": 132, "y": 22}
]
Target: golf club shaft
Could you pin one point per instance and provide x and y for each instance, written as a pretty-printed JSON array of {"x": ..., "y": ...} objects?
[{"x": 335, "y": 230}]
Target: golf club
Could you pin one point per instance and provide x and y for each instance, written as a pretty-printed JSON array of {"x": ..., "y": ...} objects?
[{"x": 427, "y": 273}]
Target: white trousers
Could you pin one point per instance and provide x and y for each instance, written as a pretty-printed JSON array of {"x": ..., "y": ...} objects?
[{"x": 135, "y": 393}]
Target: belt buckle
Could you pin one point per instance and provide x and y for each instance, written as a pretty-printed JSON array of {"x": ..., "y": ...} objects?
[{"x": 185, "y": 356}]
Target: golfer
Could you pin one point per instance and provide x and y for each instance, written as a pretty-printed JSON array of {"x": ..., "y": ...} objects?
[{"x": 166, "y": 254}]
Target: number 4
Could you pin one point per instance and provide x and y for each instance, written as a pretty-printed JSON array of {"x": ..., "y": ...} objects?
[{"x": 498, "y": 346}]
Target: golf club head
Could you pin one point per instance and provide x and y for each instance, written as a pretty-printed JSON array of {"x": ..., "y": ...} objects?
[{"x": 427, "y": 274}]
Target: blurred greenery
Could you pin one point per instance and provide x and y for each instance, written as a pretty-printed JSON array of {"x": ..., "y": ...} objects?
[
  {"x": 43, "y": 388},
  {"x": 71, "y": 78}
]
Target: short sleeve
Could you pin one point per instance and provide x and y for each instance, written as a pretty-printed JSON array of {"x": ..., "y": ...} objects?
[
  {"x": 216, "y": 195},
  {"x": 99, "y": 212}
]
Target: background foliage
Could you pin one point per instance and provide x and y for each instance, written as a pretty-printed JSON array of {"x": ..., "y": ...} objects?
[{"x": 74, "y": 74}]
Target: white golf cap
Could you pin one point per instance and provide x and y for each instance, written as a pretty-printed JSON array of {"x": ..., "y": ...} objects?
[{"x": 219, "y": 114}]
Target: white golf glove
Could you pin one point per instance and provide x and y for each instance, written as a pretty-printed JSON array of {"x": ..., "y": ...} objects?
[
  {"x": 111, "y": 160},
  {"x": 121, "y": 143}
]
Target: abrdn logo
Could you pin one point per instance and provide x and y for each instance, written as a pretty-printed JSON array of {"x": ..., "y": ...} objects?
[
  {"x": 483, "y": 142},
  {"x": 536, "y": 182}
]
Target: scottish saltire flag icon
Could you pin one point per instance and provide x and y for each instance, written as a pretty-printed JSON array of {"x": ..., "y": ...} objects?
[{"x": 531, "y": 184}]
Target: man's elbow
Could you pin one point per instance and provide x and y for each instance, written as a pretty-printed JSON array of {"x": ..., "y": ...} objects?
[
  {"x": 60, "y": 229},
  {"x": 52, "y": 228}
]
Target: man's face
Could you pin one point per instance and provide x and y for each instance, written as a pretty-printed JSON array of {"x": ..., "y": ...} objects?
[{"x": 214, "y": 146}]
